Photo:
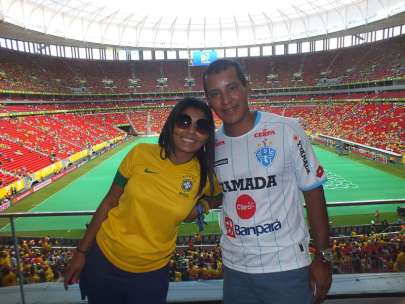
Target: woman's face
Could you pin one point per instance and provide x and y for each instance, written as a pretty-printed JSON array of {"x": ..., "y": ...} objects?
[{"x": 191, "y": 131}]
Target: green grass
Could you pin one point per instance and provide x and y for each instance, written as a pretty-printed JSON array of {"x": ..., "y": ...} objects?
[
  {"x": 213, "y": 228},
  {"x": 339, "y": 216},
  {"x": 365, "y": 218},
  {"x": 391, "y": 168},
  {"x": 36, "y": 198},
  {"x": 359, "y": 219}
]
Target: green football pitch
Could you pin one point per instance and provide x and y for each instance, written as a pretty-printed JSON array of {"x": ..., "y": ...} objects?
[{"x": 348, "y": 180}]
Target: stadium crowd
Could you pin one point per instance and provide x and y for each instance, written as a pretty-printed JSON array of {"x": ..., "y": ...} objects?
[
  {"x": 32, "y": 73},
  {"x": 377, "y": 125},
  {"x": 40, "y": 262},
  {"x": 44, "y": 260}
]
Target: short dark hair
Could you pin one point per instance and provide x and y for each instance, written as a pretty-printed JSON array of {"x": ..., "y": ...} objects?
[
  {"x": 221, "y": 65},
  {"x": 206, "y": 154}
]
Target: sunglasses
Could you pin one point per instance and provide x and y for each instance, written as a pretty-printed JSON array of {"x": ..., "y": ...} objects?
[{"x": 184, "y": 121}]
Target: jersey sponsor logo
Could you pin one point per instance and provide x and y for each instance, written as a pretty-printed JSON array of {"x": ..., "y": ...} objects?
[
  {"x": 265, "y": 155},
  {"x": 250, "y": 183},
  {"x": 245, "y": 206},
  {"x": 264, "y": 133},
  {"x": 221, "y": 162},
  {"x": 187, "y": 185},
  {"x": 303, "y": 155},
  {"x": 219, "y": 143},
  {"x": 230, "y": 230},
  {"x": 147, "y": 170},
  {"x": 237, "y": 230},
  {"x": 319, "y": 171}
]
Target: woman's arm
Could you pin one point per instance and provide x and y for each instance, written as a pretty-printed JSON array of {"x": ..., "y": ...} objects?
[
  {"x": 207, "y": 203},
  {"x": 76, "y": 264}
]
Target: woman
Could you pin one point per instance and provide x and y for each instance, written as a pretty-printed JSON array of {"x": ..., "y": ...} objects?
[{"x": 136, "y": 225}]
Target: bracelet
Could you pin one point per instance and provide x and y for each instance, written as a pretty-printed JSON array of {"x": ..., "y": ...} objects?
[
  {"x": 81, "y": 251},
  {"x": 199, "y": 209}
]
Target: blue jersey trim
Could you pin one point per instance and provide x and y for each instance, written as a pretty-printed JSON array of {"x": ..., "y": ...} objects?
[
  {"x": 314, "y": 186},
  {"x": 258, "y": 118}
]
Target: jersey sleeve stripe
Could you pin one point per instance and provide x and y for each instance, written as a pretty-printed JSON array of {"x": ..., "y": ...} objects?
[{"x": 120, "y": 180}]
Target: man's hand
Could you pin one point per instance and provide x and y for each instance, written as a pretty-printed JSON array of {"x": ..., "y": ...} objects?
[{"x": 321, "y": 279}]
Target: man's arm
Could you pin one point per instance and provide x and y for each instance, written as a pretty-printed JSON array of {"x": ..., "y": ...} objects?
[
  {"x": 215, "y": 201},
  {"x": 321, "y": 270}
]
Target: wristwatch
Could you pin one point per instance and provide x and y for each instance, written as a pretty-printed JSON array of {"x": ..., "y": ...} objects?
[{"x": 326, "y": 255}]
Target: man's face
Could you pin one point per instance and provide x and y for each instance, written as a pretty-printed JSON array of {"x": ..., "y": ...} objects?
[{"x": 227, "y": 96}]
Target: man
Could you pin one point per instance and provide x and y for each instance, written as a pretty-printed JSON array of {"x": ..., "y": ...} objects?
[{"x": 265, "y": 165}]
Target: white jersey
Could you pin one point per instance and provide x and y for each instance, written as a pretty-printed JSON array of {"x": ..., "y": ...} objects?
[{"x": 262, "y": 174}]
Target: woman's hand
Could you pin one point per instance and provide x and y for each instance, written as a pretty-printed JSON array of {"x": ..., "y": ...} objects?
[{"x": 72, "y": 271}]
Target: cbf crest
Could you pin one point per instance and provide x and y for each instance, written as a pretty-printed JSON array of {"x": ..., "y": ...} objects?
[
  {"x": 265, "y": 154},
  {"x": 187, "y": 185}
]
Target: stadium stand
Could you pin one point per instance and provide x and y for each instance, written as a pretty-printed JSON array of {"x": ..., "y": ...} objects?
[
  {"x": 40, "y": 128},
  {"x": 29, "y": 143},
  {"x": 23, "y": 72},
  {"x": 44, "y": 260}
]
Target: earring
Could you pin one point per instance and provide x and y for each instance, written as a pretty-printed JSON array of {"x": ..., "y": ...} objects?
[{"x": 204, "y": 149}]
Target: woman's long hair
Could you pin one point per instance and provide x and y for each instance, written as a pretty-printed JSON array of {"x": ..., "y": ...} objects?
[{"x": 205, "y": 155}]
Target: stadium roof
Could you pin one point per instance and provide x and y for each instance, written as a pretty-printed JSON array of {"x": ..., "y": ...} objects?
[{"x": 193, "y": 24}]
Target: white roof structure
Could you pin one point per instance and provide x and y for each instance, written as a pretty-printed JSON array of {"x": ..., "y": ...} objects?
[{"x": 163, "y": 24}]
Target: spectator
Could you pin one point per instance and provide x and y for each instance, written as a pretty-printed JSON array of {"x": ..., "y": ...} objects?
[
  {"x": 8, "y": 277},
  {"x": 265, "y": 164},
  {"x": 377, "y": 216},
  {"x": 399, "y": 264},
  {"x": 125, "y": 252}
]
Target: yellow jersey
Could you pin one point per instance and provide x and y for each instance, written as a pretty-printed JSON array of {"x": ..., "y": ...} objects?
[{"x": 139, "y": 234}]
